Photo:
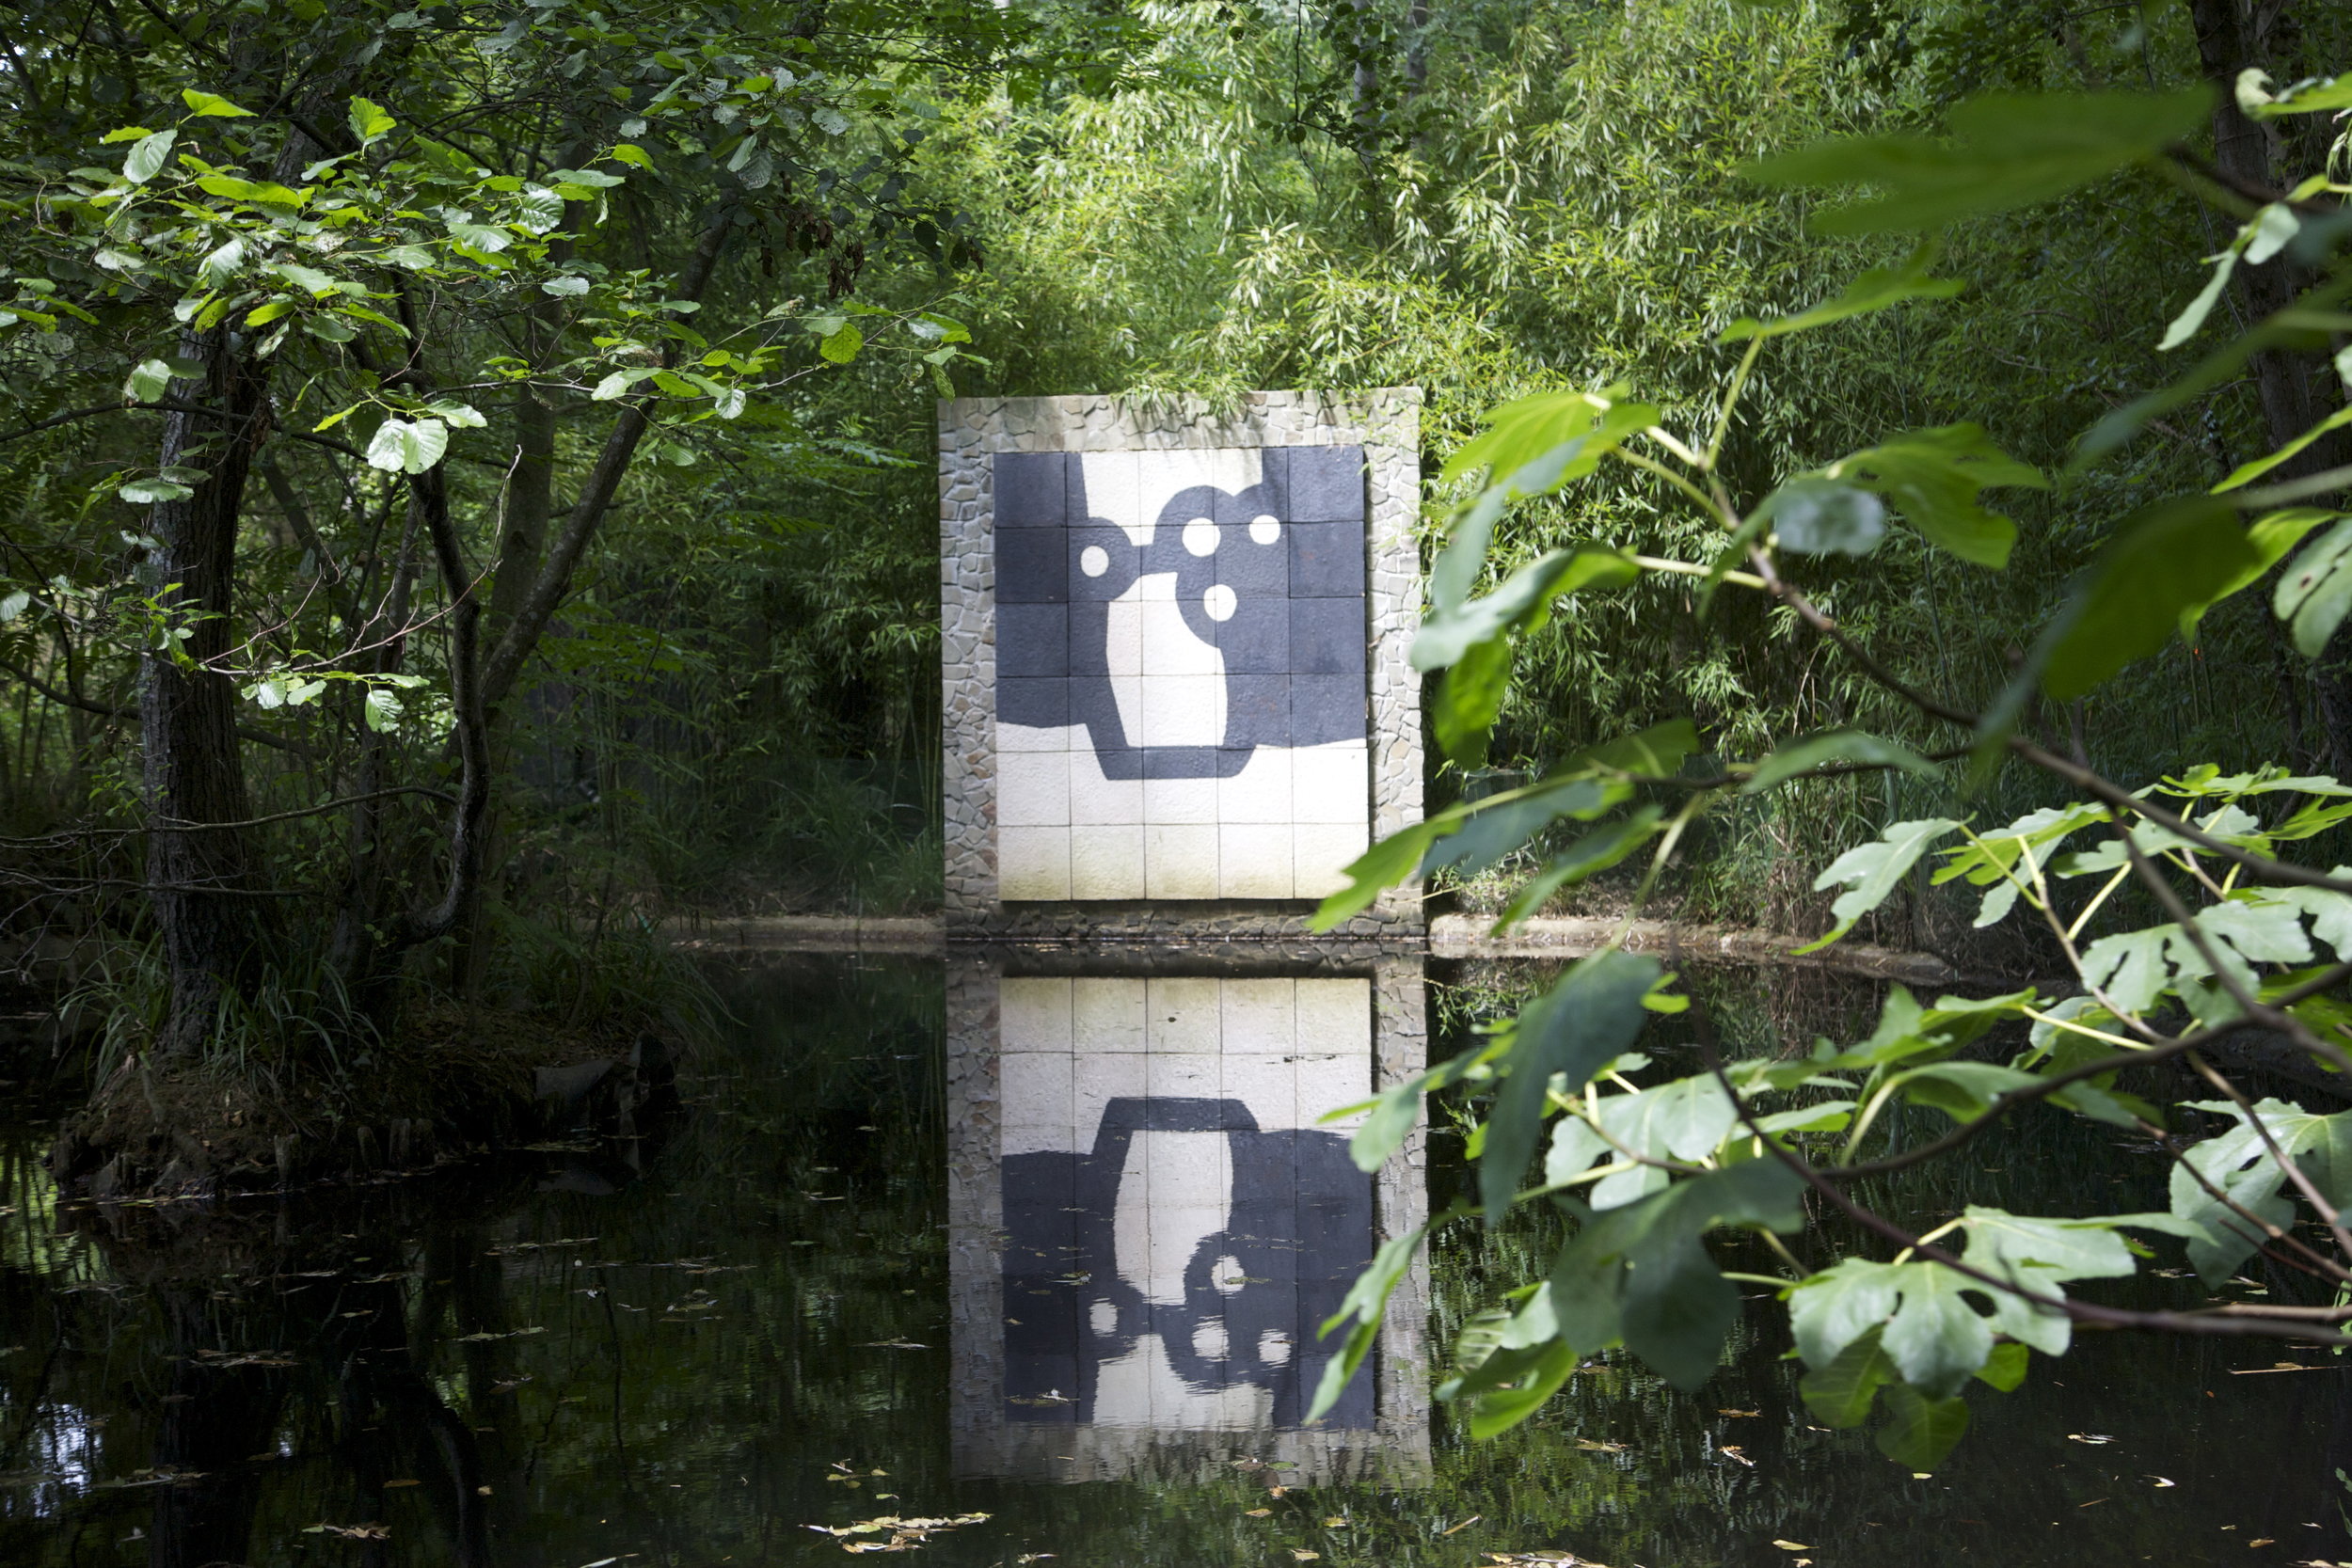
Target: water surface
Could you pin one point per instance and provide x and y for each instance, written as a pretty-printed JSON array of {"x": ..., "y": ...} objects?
[{"x": 792, "y": 1307}]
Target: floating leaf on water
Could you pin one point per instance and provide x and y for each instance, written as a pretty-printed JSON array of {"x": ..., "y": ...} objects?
[
  {"x": 1731, "y": 1451},
  {"x": 1793, "y": 1545},
  {"x": 1454, "y": 1530},
  {"x": 1301, "y": 1554},
  {"x": 1255, "y": 1512},
  {"x": 1738, "y": 1413},
  {"x": 1335, "y": 1522},
  {"x": 352, "y": 1532},
  {"x": 405, "y": 1480},
  {"x": 2089, "y": 1437},
  {"x": 2162, "y": 1481},
  {"x": 888, "y": 1344},
  {"x": 1596, "y": 1446}
]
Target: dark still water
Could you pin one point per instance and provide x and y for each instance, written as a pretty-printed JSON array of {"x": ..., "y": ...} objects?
[{"x": 926, "y": 1245}]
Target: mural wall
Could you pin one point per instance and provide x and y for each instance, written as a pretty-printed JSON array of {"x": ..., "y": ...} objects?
[
  {"x": 1181, "y": 658},
  {"x": 1175, "y": 659}
]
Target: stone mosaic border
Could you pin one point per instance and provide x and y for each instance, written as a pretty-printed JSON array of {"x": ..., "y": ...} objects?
[{"x": 1384, "y": 422}]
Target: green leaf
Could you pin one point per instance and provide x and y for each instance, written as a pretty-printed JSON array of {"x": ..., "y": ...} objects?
[
  {"x": 1833, "y": 746},
  {"x": 627, "y": 152},
  {"x": 368, "y": 122},
  {"x": 1367, "y": 1302},
  {"x": 1816, "y": 516},
  {"x": 2314, "y": 595},
  {"x": 147, "y": 158},
  {"x": 146, "y": 381},
  {"x": 2272, "y": 536},
  {"x": 1876, "y": 290},
  {"x": 569, "y": 286},
  {"x": 1488, "y": 830},
  {"x": 1590, "y": 855},
  {"x": 2247, "y": 473},
  {"x": 1469, "y": 698},
  {"x": 1520, "y": 431},
  {"x": 124, "y": 133},
  {"x": 1871, "y": 871},
  {"x": 1933, "y": 477},
  {"x": 487, "y": 238},
  {"x": 2164, "y": 561},
  {"x": 148, "y": 492},
  {"x": 1840, "y": 1394},
  {"x": 207, "y": 104},
  {"x": 1920, "y": 1431},
  {"x": 1449, "y": 631},
  {"x": 264, "y": 192},
  {"x": 2005, "y": 1369},
  {"x": 1592, "y": 1016},
  {"x": 262, "y": 315},
  {"x": 2005, "y": 151},
  {"x": 841, "y": 346},
  {"x": 402, "y": 447}
]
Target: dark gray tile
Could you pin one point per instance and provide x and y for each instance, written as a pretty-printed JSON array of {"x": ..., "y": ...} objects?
[
  {"x": 1327, "y": 485},
  {"x": 1032, "y": 640},
  {"x": 1327, "y": 637},
  {"x": 1089, "y": 638},
  {"x": 1032, "y": 566},
  {"x": 1251, "y": 569},
  {"x": 1257, "y": 640},
  {"x": 1258, "y": 709},
  {"x": 1121, "y": 561},
  {"x": 1269, "y": 497},
  {"x": 1325, "y": 709},
  {"x": 1327, "y": 561},
  {"x": 1031, "y": 489},
  {"x": 1041, "y": 702}
]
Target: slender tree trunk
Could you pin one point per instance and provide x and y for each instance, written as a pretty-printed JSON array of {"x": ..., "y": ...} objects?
[
  {"x": 2295, "y": 389},
  {"x": 192, "y": 770}
]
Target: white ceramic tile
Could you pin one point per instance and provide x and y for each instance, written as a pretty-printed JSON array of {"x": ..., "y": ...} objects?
[
  {"x": 1111, "y": 494},
  {"x": 1328, "y": 1082},
  {"x": 1180, "y": 799},
  {"x": 1107, "y": 862},
  {"x": 1254, "y": 860},
  {"x": 1154, "y": 588},
  {"x": 1183, "y": 709},
  {"x": 1033, "y": 789},
  {"x": 1175, "y": 1236},
  {"x": 1268, "y": 1085},
  {"x": 1331, "y": 784},
  {"x": 1261, "y": 792},
  {"x": 1180, "y": 1075},
  {"x": 1182, "y": 1013},
  {"x": 1105, "y": 1014},
  {"x": 1096, "y": 1080},
  {"x": 1099, "y": 801},
  {"x": 1032, "y": 738},
  {"x": 1334, "y": 1015},
  {"x": 1323, "y": 851},
  {"x": 1171, "y": 647},
  {"x": 1261, "y": 1016},
  {"x": 1036, "y": 1090},
  {"x": 1033, "y": 1013},
  {"x": 1180, "y": 861},
  {"x": 1032, "y": 863}
]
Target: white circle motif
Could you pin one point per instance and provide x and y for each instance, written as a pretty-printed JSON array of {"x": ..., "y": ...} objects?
[
  {"x": 1263, "y": 529},
  {"x": 1094, "y": 560},
  {"x": 1201, "y": 536},
  {"x": 1220, "y": 602}
]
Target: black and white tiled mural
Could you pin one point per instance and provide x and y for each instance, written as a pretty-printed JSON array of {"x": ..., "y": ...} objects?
[
  {"x": 1181, "y": 694},
  {"x": 1177, "y": 1226}
]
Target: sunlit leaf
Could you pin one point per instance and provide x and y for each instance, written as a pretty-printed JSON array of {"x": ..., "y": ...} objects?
[{"x": 2164, "y": 561}]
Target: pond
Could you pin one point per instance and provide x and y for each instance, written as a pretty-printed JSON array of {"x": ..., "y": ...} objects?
[{"x": 1037, "y": 1255}]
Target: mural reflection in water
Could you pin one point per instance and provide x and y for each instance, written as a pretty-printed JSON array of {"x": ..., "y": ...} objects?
[{"x": 1151, "y": 1221}]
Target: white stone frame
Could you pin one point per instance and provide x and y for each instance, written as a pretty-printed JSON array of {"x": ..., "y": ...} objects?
[{"x": 1384, "y": 422}]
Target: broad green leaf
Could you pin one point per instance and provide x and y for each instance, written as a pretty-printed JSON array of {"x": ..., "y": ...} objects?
[
  {"x": 485, "y": 237},
  {"x": 2240, "y": 1163},
  {"x": 569, "y": 286},
  {"x": 368, "y": 122},
  {"x": 1592, "y": 1016},
  {"x": 1878, "y": 289},
  {"x": 1870, "y": 872},
  {"x": 147, "y": 158},
  {"x": 1449, "y": 631},
  {"x": 2005, "y": 1369},
  {"x": 124, "y": 133},
  {"x": 1962, "y": 1090},
  {"x": 1833, "y": 746},
  {"x": 208, "y": 104},
  {"x": 1920, "y": 1431},
  {"x": 1520, "y": 431},
  {"x": 2315, "y": 592},
  {"x": 840, "y": 347},
  {"x": 1933, "y": 478},
  {"x": 2004, "y": 151},
  {"x": 1590, "y": 855},
  {"x": 1393, "y": 1113},
  {"x": 399, "y": 446},
  {"x": 1840, "y": 1394},
  {"x": 2245, "y": 473},
  {"x": 148, "y": 492},
  {"x": 1463, "y": 709},
  {"x": 146, "y": 381},
  {"x": 2164, "y": 561},
  {"x": 2303, "y": 98},
  {"x": 627, "y": 152},
  {"x": 1367, "y": 1302},
  {"x": 2272, "y": 536},
  {"x": 1817, "y": 516},
  {"x": 309, "y": 279},
  {"x": 262, "y": 315},
  {"x": 267, "y": 192},
  {"x": 1492, "y": 828}
]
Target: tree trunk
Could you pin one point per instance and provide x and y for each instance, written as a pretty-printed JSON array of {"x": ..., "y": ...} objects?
[
  {"x": 2296, "y": 391},
  {"x": 192, "y": 770}
]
